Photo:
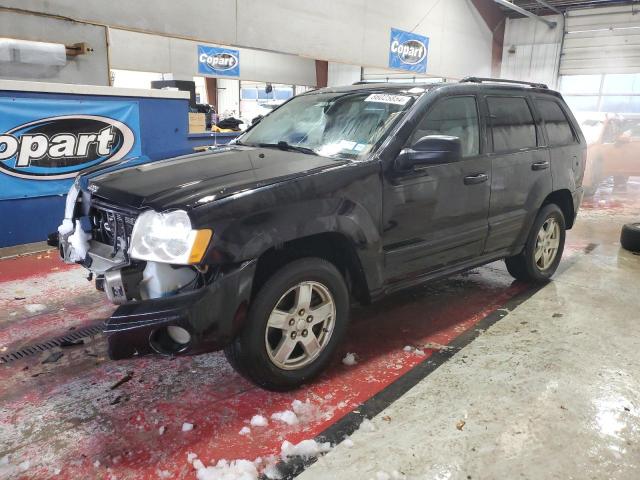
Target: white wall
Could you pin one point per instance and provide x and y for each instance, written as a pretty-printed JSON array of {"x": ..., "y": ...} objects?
[
  {"x": 90, "y": 69},
  {"x": 154, "y": 53},
  {"x": 353, "y": 32},
  {"x": 531, "y": 50},
  {"x": 342, "y": 74},
  {"x": 228, "y": 97}
]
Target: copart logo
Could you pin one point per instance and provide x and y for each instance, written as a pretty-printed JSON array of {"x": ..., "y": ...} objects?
[
  {"x": 55, "y": 148},
  {"x": 410, "y": 52},
  {"x": 219, "y": 61}
]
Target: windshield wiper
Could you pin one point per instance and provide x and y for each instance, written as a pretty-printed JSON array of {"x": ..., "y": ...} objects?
[{"x": 282, "y": 145}]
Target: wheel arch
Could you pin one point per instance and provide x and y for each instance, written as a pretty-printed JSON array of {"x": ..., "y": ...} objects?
[
  {"x": 564, "y": 200},
  {"x": 334, "y": 247}
]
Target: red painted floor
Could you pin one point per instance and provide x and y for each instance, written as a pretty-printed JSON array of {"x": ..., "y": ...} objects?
[{"x": 68, "y": 419}]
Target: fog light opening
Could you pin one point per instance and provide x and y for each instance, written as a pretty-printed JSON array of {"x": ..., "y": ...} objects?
[{"x": 170, "y": 340}]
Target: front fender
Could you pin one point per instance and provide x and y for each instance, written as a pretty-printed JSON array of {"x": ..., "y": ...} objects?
[{"x": 347, "y": 202}]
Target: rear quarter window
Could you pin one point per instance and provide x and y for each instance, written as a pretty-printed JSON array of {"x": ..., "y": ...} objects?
[{"x": 557, "y": 126}]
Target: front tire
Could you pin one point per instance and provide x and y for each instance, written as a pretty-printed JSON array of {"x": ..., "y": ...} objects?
[
  {"x": 541, "y": 255},
  {"x": 294, "y": 324}
]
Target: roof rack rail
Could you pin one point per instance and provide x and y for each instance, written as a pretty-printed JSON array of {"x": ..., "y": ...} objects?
[{"x": 502, "y": 80}]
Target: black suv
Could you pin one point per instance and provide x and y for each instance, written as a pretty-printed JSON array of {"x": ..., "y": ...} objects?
[{"x": 339, "y": 194}]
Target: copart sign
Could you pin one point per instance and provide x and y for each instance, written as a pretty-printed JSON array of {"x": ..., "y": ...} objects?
[
  {"x": 215, "y": 61},
  {"x": 47, "y": 141},
  {"x": 408, "y": 51}
]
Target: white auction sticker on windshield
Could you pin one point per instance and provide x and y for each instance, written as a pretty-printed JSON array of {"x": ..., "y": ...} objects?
[{"x": 386, "y": 98}]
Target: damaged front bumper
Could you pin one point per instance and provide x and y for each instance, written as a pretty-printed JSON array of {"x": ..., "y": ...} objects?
[
  {"x": 162, "y": 308},
  {"x": 209, "y": 318}
]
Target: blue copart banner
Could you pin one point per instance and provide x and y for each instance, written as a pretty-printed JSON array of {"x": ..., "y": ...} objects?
[
  {"x": 45, "y": 143},
  {"x": 218, "y": 61},
  {"x": 408, "y": 51}
]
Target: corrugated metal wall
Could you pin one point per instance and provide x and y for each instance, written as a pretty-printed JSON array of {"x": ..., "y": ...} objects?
[
  {"x": 531, "y": 50},
  {"x": 602, "y": 40}
]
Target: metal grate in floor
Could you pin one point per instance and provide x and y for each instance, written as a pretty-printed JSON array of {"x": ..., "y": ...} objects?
[{"x": 66, "y": 340}]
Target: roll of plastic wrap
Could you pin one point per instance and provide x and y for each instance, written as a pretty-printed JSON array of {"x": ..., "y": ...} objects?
[{"x": 35, "y": 53}]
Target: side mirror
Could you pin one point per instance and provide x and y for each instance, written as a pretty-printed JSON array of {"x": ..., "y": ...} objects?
[{"x": 430, "y": 150}]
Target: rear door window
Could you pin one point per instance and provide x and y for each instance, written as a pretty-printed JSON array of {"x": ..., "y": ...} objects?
[
  {"x": 512, "y": 124},
  {"x": 556, "y": 123}
]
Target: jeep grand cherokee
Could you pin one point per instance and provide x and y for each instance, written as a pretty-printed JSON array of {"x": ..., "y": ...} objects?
[{"x": 339, "y": 194}]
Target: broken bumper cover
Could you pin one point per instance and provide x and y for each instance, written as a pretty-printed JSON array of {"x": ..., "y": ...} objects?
[{"x": 212, "y": 315}]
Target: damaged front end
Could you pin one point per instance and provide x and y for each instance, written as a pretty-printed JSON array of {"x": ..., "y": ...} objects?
[{"x": 150, "y": 265}]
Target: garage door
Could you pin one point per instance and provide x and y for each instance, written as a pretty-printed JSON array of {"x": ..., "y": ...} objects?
[{"x": 602, "y": 40}]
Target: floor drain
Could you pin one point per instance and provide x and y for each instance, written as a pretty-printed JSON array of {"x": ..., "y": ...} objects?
[{"x": 67, "y": 340}]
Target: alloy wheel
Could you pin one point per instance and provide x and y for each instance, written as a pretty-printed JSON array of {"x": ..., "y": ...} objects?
[
  {"x": 300, "y": 325},
  {"x": 547, "y": 244}
]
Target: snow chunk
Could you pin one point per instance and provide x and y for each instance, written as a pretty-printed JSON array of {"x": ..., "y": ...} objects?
[
  {"x": 161, "y": 430},
  {"x": 223, "y": 470},
  {"x": 367, "y": 426},
  {"x": 191, "y": 457},
  {"x": 66, "y": 227},
  {"x": 24, "y": 466},
  {"x": 79, "y": 243},
  {"x": 245, "y": 431},
  {"x": 187, "y": 427},
  {"x": 35, "y": 308},
  {"x": 347, "y": 442},
  {"x": 164, "y": 474},
  {"x": 307, "y": 411},
  {"x": 96, "y": 464},
  {"x": 380, "y": 475},
  {"x": 259, "y": 421},
  {"x": 305, "y": 449},
  {"x": 415, "y": 350},
  {"x": 288, "y": 417},
  {"x": 272, "y": 472},
  {"x": 350, "y": 359}
]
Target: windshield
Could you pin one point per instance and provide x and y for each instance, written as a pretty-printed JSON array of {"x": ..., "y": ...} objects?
[{"x": 345, "y": 125}]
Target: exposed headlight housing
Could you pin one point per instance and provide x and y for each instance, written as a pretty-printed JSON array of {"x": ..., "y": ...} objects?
[{"x": 168, "y": 238}]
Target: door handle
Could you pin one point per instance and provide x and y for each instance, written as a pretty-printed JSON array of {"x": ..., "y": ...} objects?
[
  {"x": 540, "y": 165},
  {"x": 475, "y": 179}
]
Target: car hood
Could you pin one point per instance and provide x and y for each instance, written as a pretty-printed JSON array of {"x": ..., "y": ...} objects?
[{"x": 193, "y": 180}]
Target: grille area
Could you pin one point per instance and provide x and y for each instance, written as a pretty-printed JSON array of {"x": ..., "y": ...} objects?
[{"x": 112, "y": 225}]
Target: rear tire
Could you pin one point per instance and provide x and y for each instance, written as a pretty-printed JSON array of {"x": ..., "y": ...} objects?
[
  {"x": 630, "y": 237},
  {"x": 542, "y": 252},
  {"x": 282, "y": 345}
]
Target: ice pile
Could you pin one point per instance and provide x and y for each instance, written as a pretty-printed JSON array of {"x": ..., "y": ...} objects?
[
  {"x": 305, "y": 449},
  {"x": 259, "y": 421},
  {"x": 287, "y": 416},
  {"x": 350, "y": 359},
  {"x": 236, "y": 469}
]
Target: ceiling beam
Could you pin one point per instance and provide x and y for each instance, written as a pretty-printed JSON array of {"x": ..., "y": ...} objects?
[
  {"x": 526, "y": 13},
  {"x": 550, "y": 7}
]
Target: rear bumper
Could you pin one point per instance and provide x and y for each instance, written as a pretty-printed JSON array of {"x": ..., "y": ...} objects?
[
  {"x": 577, "y": 195},
  {"x": 212, "y": 315}
]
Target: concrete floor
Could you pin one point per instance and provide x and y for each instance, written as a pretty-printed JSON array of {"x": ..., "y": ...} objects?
[{"x": 551, "y": 390}]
